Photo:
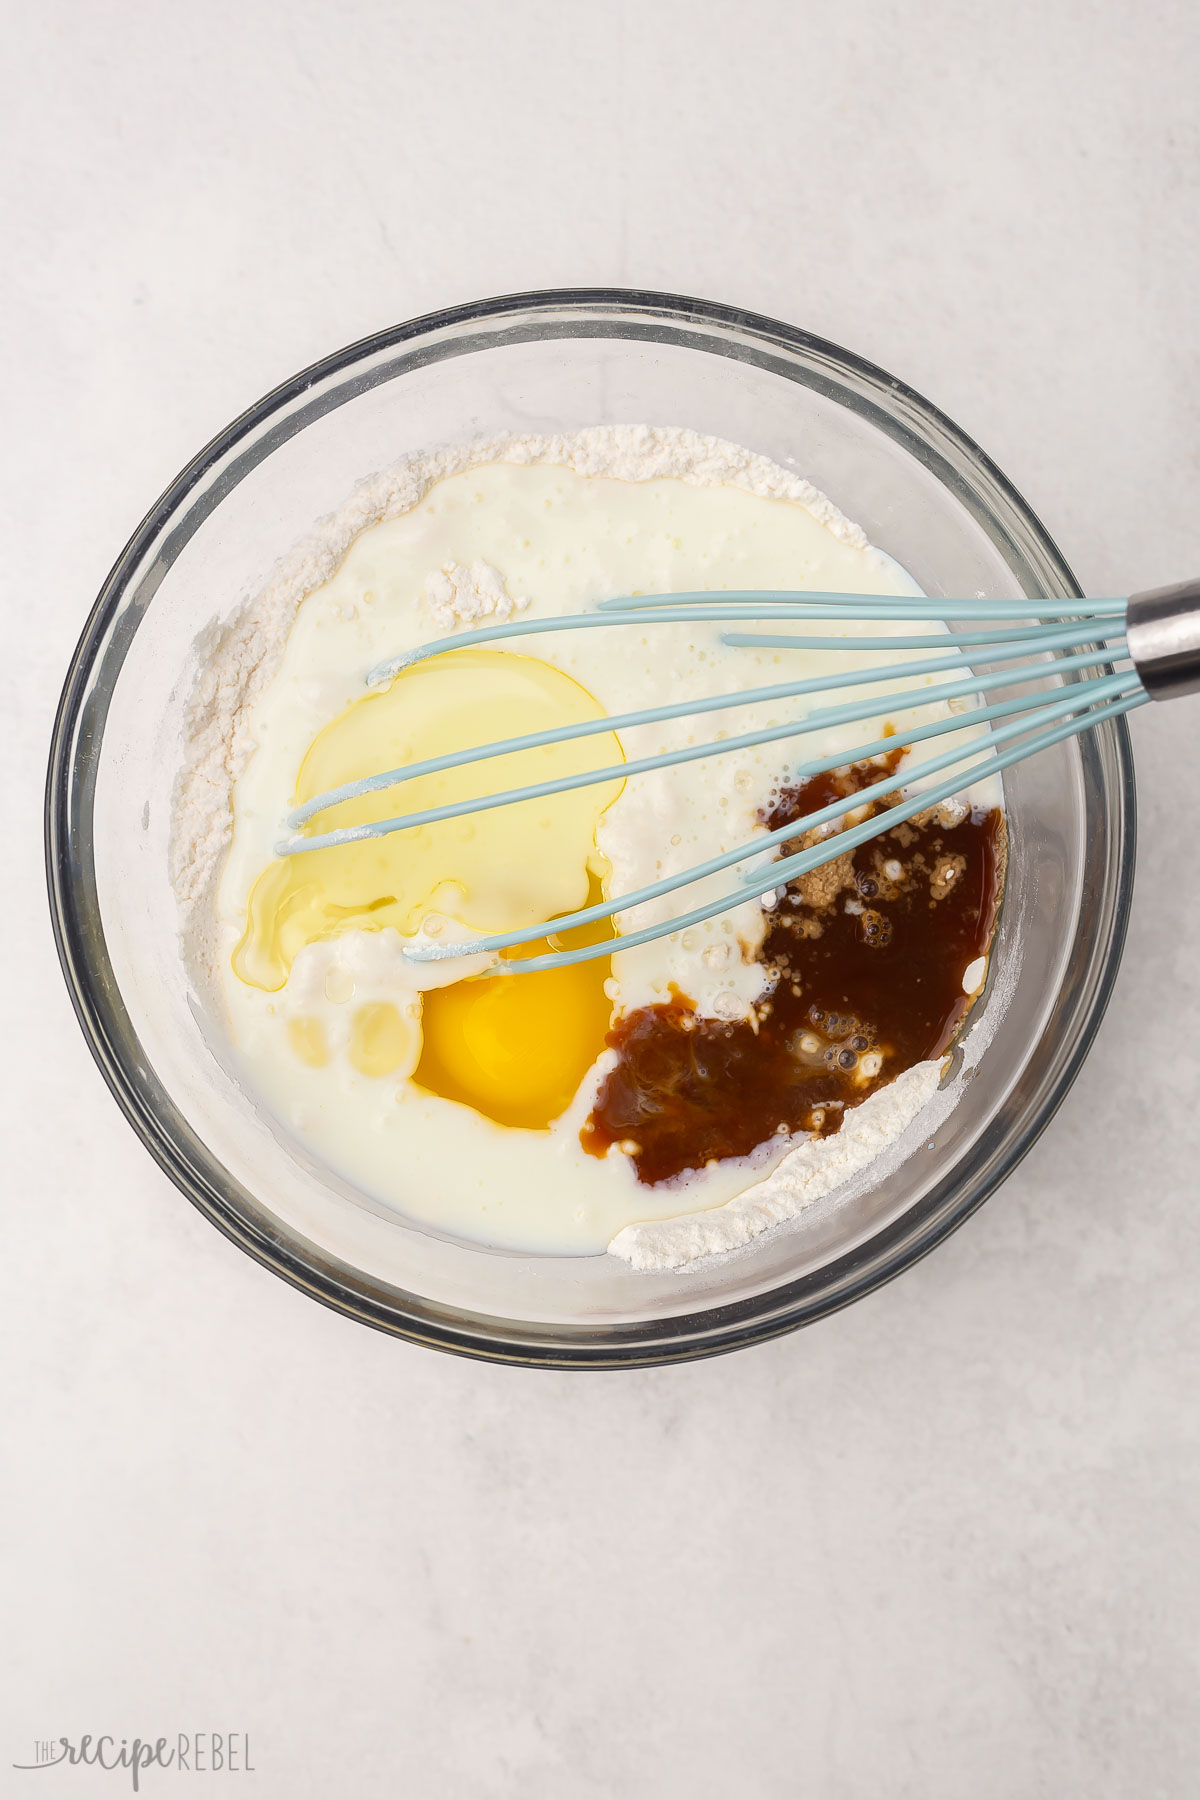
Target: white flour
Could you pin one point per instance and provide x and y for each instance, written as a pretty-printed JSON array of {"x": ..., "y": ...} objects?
[
  {"x": 812, "y": 1170},
  {"x": 458, "y": 596}
]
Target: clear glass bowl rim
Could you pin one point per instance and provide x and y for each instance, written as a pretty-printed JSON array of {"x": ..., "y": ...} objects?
[{"x": 180, "y": 1153}]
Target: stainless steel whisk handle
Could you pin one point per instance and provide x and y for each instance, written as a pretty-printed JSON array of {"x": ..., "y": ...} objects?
[{"x": 1162, "y": 631}]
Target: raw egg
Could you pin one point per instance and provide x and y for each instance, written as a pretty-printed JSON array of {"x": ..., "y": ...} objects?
[{"x": 514, "y": 1047}]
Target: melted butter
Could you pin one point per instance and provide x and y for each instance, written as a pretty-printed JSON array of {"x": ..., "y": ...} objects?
[
  {"x": 499, "y": 870},
  {"x": 382, "y": 1041},
  {"x": 307, "y": 1039}
]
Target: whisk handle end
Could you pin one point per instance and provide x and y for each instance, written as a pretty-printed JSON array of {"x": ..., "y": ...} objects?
[{"x": 1163, "y": 636}]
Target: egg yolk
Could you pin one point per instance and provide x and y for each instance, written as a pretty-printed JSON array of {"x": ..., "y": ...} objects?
[{"x": 514, "y": 1047}]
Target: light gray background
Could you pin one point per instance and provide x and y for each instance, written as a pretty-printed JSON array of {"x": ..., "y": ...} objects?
[{"x": 943, "y": 1545}]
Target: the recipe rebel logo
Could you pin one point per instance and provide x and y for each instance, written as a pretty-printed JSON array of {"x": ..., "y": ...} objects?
[{"x": 187, "y": 1753}]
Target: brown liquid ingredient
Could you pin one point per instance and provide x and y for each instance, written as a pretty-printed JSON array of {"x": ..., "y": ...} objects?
[{"x": 859, "y": 996}]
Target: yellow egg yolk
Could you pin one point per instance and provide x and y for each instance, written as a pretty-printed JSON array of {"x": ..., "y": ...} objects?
[
  {"x": 517, "y": 1046},
  {"x": 514, "y": 1047}
]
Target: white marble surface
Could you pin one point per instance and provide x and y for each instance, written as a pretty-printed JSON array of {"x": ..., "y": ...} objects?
[{"x": 945, "y": 1544}]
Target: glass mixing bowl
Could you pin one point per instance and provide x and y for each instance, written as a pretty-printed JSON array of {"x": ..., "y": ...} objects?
[{"x": 552, "y": 362}]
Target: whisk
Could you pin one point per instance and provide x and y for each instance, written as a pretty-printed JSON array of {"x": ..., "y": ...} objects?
[{"x": 1155, "y": 633}]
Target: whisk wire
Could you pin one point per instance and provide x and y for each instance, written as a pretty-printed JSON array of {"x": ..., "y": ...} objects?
[
  {"x": 812, "y": 859},
  {"x": 1066, "y": 637},
  {"x": 765, "y": 596},
  {"x": 351, "y": 834},
  {"x": 1006, "y": 650},
  {"x": 686, "y": 609},
  {"x": 1082, "y": 696}
]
